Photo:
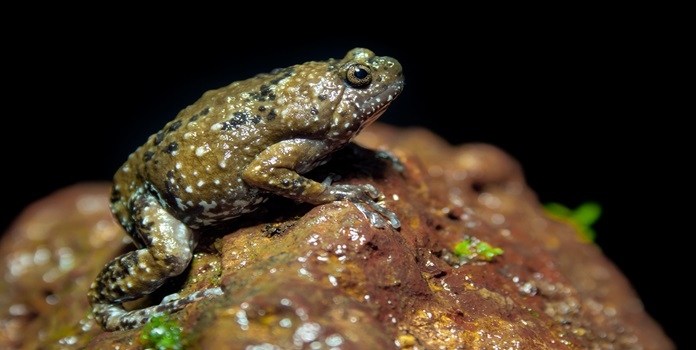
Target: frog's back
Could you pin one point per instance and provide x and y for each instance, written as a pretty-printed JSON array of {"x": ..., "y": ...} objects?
[
  {"x": 199, "y": 154},
  {"x": 196, "y": 160},
  {"x": 194, "y": 165}
]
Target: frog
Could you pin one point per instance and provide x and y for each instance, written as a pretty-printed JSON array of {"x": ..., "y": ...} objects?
[{"x": 228, "y": 153}]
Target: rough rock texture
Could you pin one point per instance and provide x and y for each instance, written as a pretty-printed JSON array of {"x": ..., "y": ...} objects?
[{"x": 301, "y": 277}]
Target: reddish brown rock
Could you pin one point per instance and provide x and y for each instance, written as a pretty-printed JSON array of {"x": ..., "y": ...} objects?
[{"x": 301, "y": 276}]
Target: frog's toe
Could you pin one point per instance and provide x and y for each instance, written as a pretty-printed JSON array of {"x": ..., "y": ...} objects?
[
  {"x": 213, "y": 292},
  {"x": 367, "y": 199},
  {"x": 377, "y": 214},
  {"x": 393, "y": 219},
  {"x": 375, "y": 219},
  {"x": 371, "y": 191},
  {"x": 172, "y": 302},
  {"x": 386, "y": 213},
  {"x": 169, "y": 298},
  {"x": 396, "y": 163}
]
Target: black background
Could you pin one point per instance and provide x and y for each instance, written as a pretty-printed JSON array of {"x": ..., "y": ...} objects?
[{"x": 573, "y": 100}]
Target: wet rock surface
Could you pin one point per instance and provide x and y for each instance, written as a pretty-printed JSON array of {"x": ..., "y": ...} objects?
[{"x": 300, "y": 277}]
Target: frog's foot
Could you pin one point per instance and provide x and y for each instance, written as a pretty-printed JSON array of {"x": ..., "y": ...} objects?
[
  {"x": 396, "y": 163},
  {"x": 364, "y": 198},
  {"x": 115, "y": 317}
]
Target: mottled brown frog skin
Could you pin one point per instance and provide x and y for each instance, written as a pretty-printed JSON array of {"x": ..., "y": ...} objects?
[{"x": 225, "y": 155}]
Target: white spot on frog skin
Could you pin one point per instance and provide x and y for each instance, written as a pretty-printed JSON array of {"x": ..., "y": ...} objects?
[
  {"x": 177, "y": 165},
  {"x": 189, "y": 189},
  {"x": 207, "y": 206},
  {"x": 240, "y": 203},
  {"x": 200, "y": 183},
  {"x": 222, "y": 164},
  {"x": 180, "y": 204},
  {"x": 201, "y": 150}
]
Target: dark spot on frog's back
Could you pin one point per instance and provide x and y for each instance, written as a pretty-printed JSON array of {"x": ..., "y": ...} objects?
[
  {"x": 238, "y": 118},
  {"x": 158, "y": 138},
  {"x": 262, "y": 95},
  {"x": 203, "y": 113},
  {"x": 147, "y": 156},
  {"x": 174, "y": 126},
  {"x": 171, "y": 147},
  {"x": 272, "y": 115},
  {"x": 283, "y": 72}
]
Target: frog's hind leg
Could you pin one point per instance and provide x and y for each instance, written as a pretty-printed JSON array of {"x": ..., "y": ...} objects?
[{"x": 167, "y": 252}]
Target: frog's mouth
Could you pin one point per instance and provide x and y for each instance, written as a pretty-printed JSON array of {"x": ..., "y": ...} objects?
[{"x": 382, "y": 100}]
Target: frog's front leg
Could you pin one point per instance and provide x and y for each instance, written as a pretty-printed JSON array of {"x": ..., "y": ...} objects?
[
  {"x": 278, "y": 168},
  {"x": 167, "y": 251}
]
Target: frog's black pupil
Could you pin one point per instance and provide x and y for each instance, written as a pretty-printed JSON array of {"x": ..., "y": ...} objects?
[{"x": 360, "y": 73}]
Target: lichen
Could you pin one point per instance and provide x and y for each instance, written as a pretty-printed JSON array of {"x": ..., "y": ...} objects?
[
  {"x": 473, "y": 248},
  {"x": 162, "y": 333},
  {"x": 582, "y": 218}
]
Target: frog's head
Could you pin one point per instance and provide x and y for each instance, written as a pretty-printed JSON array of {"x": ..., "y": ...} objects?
[
  {"x": 371, "y": 84},
  {"x": 329, "y": 100}
]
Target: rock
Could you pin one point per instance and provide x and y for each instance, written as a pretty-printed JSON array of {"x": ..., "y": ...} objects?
[{"x": 298, "y": 276}]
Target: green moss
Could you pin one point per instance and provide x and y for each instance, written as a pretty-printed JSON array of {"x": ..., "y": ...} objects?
[
  {"x": 216, "y": 276},
  {"x": 582, "y": 218},
  {"x": 161, "y": 333},
  {"x": 472, "y": 248}
]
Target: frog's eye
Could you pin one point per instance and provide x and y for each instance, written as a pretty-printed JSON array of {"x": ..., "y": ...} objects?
[{"x": 358, "y": 75}]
